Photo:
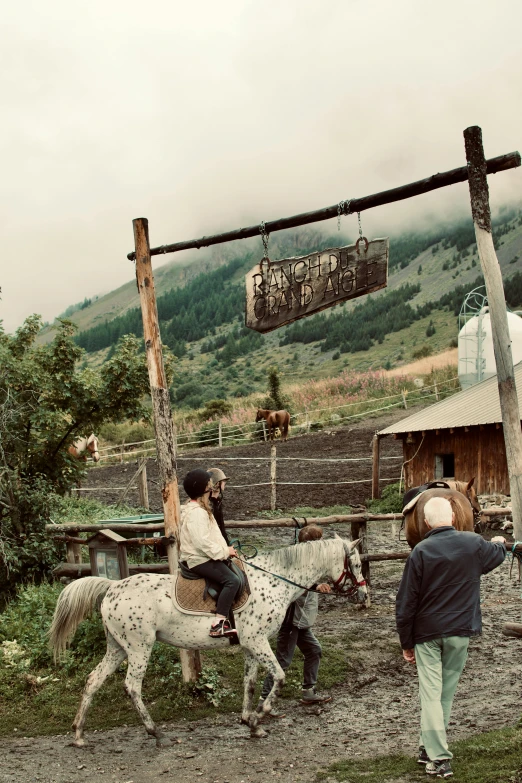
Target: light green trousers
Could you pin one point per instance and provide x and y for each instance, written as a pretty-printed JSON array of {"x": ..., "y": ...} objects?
[{"x": 439, "y": 664}]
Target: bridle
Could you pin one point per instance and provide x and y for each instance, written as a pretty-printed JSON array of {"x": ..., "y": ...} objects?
[{"x": 339, "y": 585}]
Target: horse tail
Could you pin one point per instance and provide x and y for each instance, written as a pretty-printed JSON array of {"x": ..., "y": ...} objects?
[{"x": 75, "y": 603}]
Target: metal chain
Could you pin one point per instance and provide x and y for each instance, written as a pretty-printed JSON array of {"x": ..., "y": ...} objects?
[
  {"x": 264, "y": 237},
  {"x": 343, "y": 208},
  {"x": 360, "y": 227}
]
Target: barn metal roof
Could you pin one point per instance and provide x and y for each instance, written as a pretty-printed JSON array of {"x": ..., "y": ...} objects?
[{"x": 479, "y": 404}]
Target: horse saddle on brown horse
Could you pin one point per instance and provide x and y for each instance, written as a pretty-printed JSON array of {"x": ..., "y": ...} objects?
[
  {"x": 412, "y": 495},
  {"x": 195, "y": 595}
]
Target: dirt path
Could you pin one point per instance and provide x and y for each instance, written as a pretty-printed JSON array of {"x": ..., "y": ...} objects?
[{"x": 374, "y": 711}]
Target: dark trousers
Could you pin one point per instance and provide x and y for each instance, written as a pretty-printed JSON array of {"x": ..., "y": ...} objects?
[
  {"x": 290, "y": 637},
  {"x": 218, "y": 572}
]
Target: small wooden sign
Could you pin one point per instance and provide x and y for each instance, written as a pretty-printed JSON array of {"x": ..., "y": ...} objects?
[{"x": 284, "y": 291}]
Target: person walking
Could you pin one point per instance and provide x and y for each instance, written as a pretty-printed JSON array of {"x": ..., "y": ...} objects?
[
  {"x": 437, "y": 611},
  {"x": 219, "y": 480},
  {"x": 204, "y": 550},
  {"x": 296, "y": 631}
]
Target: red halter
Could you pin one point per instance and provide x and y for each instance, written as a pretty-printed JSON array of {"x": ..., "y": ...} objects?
[{"x": 346, "y": 574}]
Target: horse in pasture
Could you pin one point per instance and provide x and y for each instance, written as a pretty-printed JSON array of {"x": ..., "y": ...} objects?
[
  {"x": 139, "y": 610},
  {"x": 83, "y": 447},
  {"x": 274, "y": 419},
  {"x": 463, "y": 499}
]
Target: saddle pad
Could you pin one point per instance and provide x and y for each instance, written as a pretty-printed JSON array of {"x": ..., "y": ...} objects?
[{"x": 188, "y": 596}]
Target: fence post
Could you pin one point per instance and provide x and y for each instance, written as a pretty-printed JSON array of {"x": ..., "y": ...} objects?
[
  {"x": 264, "y": 432},
  {"x": 121, "y": 451},
  {"x": 436, "y": 391},
  {"x": 220, "y": 435},
  {"x": 404, "y": 399},
  {"x": 375, "y": 467},
  {"x": 273, "y": 476},
  {"x": 307, "y": 421},
  {"x": 74, "y": 552},
  {"x": 142, "y": 486}
]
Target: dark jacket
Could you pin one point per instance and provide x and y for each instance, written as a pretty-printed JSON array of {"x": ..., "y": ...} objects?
[
  {"x": 439, "y": 593},
  {"x": 217, "y": 510}
]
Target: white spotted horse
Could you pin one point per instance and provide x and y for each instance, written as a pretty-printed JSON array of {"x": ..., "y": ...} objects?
[{"x": 139, "y": 610}]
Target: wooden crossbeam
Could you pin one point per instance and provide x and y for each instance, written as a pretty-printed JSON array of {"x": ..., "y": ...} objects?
[{"x": 436, "y": 181}]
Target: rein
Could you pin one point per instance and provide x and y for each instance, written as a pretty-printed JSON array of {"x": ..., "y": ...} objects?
[{"x": 338, "y": 585}]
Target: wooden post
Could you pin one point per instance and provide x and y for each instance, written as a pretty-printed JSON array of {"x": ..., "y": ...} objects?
[
  {"x": 74, "y": 552},
  {"x": 121, "y": 451},
  {"x": 436, "y": 391},
  {"x": 404, "y": 399},
  {"x": 220, "y": 435},
  {"x": 273, "y": 476},
  {"x": 479, "y": 196},
  {"x": 143, "y": 488},
  {"x": 375, "y": 467},
  {"x": 264, "y": 431},
  {"x": 162, "y": 414},
  {"x": 307, "y": 421}
]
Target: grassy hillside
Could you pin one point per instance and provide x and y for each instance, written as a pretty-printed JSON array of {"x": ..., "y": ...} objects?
[{"x": 201, "y": 305}]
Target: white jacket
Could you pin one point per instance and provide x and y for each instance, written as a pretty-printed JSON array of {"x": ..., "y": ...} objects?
[{"x": 200, "y": 538}]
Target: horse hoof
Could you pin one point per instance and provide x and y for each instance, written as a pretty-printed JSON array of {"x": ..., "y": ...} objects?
[
  {"x": 258, "y": 733},
  {"x": 244, "y": 721},
  {"x": 79, "y": 743}
]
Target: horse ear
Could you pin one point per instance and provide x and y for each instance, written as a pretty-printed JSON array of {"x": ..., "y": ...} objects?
[
  {"x": 353, "y": 544},
  {"x": 470, "y": 483},
  {"x": 335, "y": 535}
]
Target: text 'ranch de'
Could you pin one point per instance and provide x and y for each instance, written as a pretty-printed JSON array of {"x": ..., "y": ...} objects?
[{"x": 293, "y": 288}]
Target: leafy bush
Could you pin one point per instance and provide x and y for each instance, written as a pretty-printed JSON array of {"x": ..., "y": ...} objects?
[
  {"x": 390, "y": 501},
  {"x": 422, "y": 352}
]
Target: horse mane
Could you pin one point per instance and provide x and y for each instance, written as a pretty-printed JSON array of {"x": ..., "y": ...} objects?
[{"x": 305, "y": 554}]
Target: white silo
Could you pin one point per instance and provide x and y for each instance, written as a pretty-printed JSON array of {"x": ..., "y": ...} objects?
[{"x": 476, "y": 354}]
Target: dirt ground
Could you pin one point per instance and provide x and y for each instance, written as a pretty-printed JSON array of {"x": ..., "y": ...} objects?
[
  {"x": 242, "y": 502},
  {"x": 375, "y": 711}
]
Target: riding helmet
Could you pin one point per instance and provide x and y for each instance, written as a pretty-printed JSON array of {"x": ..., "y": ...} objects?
[
  {"x": 196, "y": 482},
  {"x": 217, "y": 475}
]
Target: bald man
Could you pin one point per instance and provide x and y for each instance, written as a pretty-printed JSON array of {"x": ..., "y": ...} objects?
[{"x": 437, "y": 610}]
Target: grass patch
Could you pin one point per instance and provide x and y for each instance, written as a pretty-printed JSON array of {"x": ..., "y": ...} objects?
[
  {"x": 492, "y": 757},
  {"x": 306, "y": 511}
]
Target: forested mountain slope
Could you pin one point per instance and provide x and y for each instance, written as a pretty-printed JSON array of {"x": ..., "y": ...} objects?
[{"x": 201, "y": 306}]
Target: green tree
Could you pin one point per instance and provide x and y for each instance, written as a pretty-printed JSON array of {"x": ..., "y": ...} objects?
[
  {"x": 276, "y": 399},
  {"x": 46, "y": 402}
]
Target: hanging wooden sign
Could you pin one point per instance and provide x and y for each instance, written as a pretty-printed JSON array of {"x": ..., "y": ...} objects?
[{"x": 283, "y": 291}]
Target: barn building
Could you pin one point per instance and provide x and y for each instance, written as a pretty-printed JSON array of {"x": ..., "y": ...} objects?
[{"x": 459, "y": 437}]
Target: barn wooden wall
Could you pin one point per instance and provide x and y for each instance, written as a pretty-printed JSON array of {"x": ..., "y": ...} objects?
[{"x": 480, "y": 452}]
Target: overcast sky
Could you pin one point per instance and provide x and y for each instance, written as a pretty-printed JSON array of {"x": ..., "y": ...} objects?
[{"x": 203, "y": 116}]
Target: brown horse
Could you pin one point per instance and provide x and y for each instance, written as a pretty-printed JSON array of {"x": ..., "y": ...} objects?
[
  {"x": 273, "y": 420},
  {"x": 464, "y": 503}
]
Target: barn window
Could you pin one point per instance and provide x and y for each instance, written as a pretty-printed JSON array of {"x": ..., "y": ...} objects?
[{"x": 444, "y": 466}]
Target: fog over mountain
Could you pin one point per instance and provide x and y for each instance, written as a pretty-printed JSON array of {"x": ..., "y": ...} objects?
[{"x": 208, "y": 116}]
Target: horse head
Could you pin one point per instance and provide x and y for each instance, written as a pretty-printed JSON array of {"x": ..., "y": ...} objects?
[
  {"x": 259, "y": 415},
  {"x": 351, "y": 581},
  {"x": 92, "y": 447},
  {"x": 471, "y": 495}
]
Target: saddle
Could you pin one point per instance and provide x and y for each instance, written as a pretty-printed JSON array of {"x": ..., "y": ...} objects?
[
  {"x": 195, "y": 595},
  {"x": 411, "y": 497}
]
